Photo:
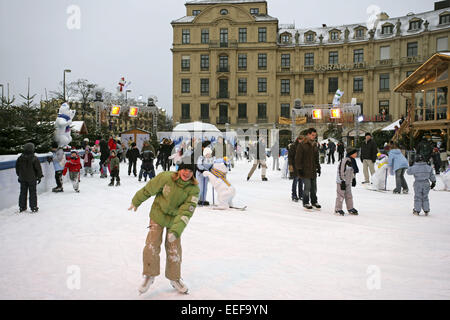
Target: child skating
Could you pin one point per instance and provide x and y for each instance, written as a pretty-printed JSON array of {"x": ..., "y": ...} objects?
[
  {"x": 423, "y": 173},
  {"x": 73, "y": 165},
  {"x": 347, "y": 169}
]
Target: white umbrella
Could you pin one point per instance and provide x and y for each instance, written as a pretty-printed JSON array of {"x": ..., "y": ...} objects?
[
  {"x": 391, "y": 127},
  {"x": 195, "y": 126}
]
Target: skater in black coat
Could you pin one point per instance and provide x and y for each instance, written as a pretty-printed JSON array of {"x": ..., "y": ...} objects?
[
  {"x": 29, "y": 171},
  {"x": 132, "y": 155},
  {"x": 104, "y": 156}
]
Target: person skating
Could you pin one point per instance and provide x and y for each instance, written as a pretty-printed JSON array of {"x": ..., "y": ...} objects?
[
  {"x": 132, "y": 156},
  {"x": 29, "y": 173},
  {"x": 147, "y": 168},
  {"x": 87, "y": 161},
  {"x": 297, "y": 182},
  {"x": 259, "y": 155},
  {"x": 204, "y": 163},
  {"x": 275, "y": 153},
  {"x": 368, "y": 156},
  {"x": 176, "y": 196},
  {"x": 308, "y": 167},
  {"x": 345, "y": 180},
  {"x": 114, "y": 164},
  {"x": 340, "y": 150},
  {"x": 59, "y": 160},
  {"x": 331, "y": 150},
  {"x": 423, "y": 173},
  {"x": 436, "y": 157},
  {"x": 73, "y": 165},
  {"x": 104, "y": 155},
  {"x": 397, "y": 165}
]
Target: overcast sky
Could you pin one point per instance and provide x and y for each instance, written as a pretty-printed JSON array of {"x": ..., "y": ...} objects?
[{"x": 131, "y": 38}]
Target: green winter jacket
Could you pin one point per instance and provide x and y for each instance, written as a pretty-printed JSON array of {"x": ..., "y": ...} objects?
[
  {"x": 175, "y": 201},
  {"x": 114, "y": 163}
]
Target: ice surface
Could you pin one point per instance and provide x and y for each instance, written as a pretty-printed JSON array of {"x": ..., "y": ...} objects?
[{"x": 273, "y": 250}]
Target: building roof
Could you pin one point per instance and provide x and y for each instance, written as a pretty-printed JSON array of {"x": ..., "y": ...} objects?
[{"x": 425, "y": 72}]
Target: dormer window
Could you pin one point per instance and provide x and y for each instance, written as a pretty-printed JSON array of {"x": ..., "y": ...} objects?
[
  {"x": 359, "y": 33},
  {"x": 285, "y": 38},
  {"x": 254, "y": 11},
  {"x": 415, "y": 24},
  {"x": 224, "y": 12},
  {"x": 387, "y": 29},
  {"x": 309, "y": 37},
  {"x": 196, "y": 12},
  {"x": 334, "y": 35},
  {"x": 444, "y": 19}
]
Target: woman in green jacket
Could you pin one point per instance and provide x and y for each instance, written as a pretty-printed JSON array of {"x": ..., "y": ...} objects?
[{"x": 176, "y": 197}]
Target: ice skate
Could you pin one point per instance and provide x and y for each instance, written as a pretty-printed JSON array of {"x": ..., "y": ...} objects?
[
  {"x": 353, "y": 211},
  {"x": 148, "y": 281},
  {"x": 340, "y": 212},
  {"x": 416, "y": 213},
  {"x": 22, "y": 210},
  {"x": 179, "y": 285},
  {"x": 34, "y": 210},
  {"x": 405, "y": 191},
  {"x": 264, "y": 179},
  {"x": 117, "y": 183},
  {"x": 111, "y": 184},
  {"x": 307, "y": 207},
  {"x": 426, "y": 213},
  {"x": 316, "y": 206},
  {"x": 295, "y": 199}
]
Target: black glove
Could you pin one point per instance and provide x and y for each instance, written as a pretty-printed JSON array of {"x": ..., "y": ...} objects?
[
  {"x": 318, "y": 171},
  {"x": 354, "y": 182},
  {"x": 343, "y": 187},
  {"x": 433, "y": 184},
  {"x": 38, "y": 180}
]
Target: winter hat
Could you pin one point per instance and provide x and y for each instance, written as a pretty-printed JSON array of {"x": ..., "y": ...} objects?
[
  {"x": 113, "y": 151},
  {"x": 186, "y": 165},
  {"x": 368, "y": 134},
  {"x": 28, "y": 148},
  {"x": 350, "y": 151},
  {"x": 419, "y": 158},
  {"x": 207, "y": 151},
  {"x": 133, "y": 144},
  {"x": 73, "y": 151}
]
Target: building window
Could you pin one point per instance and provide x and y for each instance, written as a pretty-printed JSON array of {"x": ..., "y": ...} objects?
[
  {"x": 223, "y": 63},
  {"x": 224, "y": 37},
  {"x": 387, "y": 29},
  {"x": 196, "y": 12},
  {"x": 242, "y": 34},
  {"x": 224, "y": 12},
  {"x": 185, "y": 111},
  {"x": 358, "y": 85},
  {"x": 185, "y": 63},
  {"x": 242, "y": 111},
  {"x": 385, "y": 53},
  {"x": 242, "y": 86},
  {"x": 262, "y": 61},
  {"x": 185, "y": 85},
  {"x": 415, "y": 25},
  {"x": 309, "y": 59},
  {"x": 204, "y": 111},
  {"x": 285, "y": 110},
  {"x": 333, "y": 57},
  {"x": 309, "y": 86},
  {"x": 444, "y": 19},
  {"x": 286, "y": 60},
  {"x": 205, "y": 36},
  {"x": 358, "y": 55},
  {"x": 442, "y": 44},
  {"x": 262, "y": 111},
  {"x": 309, "y": 37},
  {"x": 285, "y": 86},
  {"x": 334, "y": 35},
  {"x": 186, "y": 36},
  {"x": 204, "y": 87},
  {"x": 285, "y": 38},
  {"x": 333, "y": 84},
  {"x": 384, "y": 107},
  {"x": 384, "y": 82},
  {"x": 254, "y": 11},
  {"x": 412, "y": 49},
  {"x": 359, "y": 33},
  {"x": 242, "y": 61},
  {"x": 204, "y": 62},
  {"x": 262, "y": 84},
  {"x": 262, "y": 34}
]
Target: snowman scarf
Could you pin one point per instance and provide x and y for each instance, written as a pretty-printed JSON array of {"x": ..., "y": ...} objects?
[{"x": 221, "y": 175}]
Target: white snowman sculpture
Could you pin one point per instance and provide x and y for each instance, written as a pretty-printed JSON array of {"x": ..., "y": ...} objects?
[
  {"x": 62, "y": 125},
  {"x": 217, "y": 177}
]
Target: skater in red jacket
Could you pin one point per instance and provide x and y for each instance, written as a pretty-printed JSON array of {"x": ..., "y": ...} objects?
[{"x": 74, "y": 167}]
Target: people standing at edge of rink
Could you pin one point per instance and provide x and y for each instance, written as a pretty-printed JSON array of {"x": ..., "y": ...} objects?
[
  {"x": 29, "y": 173},
  {"x": 132, "y": 156},
  {"x": 220, "y": 149},
  {"x": 397, "y": 165},
  {"x": 59, "y": 160},
  {"x": 174, "y": 205},
  {"x": 331, "y": 150},
  {"x": 275, "y": 153},
  {"x": 104, "y": 155},
  {"x": 73, "y": 165},
  {"x": 259, "y": 156},
  {"x": 423, "y": 173},
  {"x": 166, "y": 151},
  {"x": 322, "y": 152},
  {"x": 436, "y": 157},
  {"x": 340, "y": 150},
  {"x": 114, "y": 164},
  {"x": 308, "y": 167},
  {"x": 204, "y": 163},
  {"x": 297, "y": 182},
  {"x": 346, "y": 173},
  {"x": 368, "y": 157}
]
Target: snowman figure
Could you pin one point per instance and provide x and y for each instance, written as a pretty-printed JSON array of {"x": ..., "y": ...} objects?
[
  {"x": 217, "y": 176},
  {"x": 62, "y": 125},
  {"x": 379, "y": 178}
]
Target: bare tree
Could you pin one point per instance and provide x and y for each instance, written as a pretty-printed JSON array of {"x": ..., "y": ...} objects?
[
  {"x": 85, "y": 93},
  {"x": 59, "y": 93}
]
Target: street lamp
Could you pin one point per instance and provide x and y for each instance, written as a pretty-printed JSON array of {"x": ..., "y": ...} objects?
[
  {"x": 64, "y": 82},
  {"x": 126, "y": 97},
  {"x": 1, "y": 85}
]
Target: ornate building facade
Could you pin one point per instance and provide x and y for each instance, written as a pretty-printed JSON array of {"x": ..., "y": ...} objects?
[{"x": 235, "y": 65}]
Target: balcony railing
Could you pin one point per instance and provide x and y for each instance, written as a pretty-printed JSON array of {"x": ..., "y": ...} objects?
[
  {"x": 223, "y": 95},
  {"x": 384, "y": 62},
  {"x": 242, "y": 120},
  {"x": 204, "y": 119},
  {"x": 284, "y": 69},
  {"x": 223, "y": 68},
  {"x": 242, "y": 94},
  {"x": 308, "y": 68},
  {"x": 222, "y": 120},
  {"x": 204, "y": 94},
  {"x": 217, "y": 44},
  {"x": 262, "y": 120},
  {"x": 409, "y": 60},
  {"x": 378, "y": 118}
]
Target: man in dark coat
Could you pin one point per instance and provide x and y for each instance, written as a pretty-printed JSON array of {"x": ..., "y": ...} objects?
[
  {"x": 104, "y": 155},
  {"x": 297, "y": 182},
  {"x": 29, "y": 171},
  {"x": 331, "y": 150},
  {"x": 308, "y": 166},
  {"x": 340, "y": 150},
  {"x": 132, "y": 155},
  {"x": 425, "y": 149},
  {"x": 368, "y": 157}
]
